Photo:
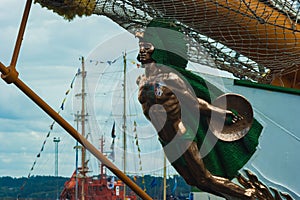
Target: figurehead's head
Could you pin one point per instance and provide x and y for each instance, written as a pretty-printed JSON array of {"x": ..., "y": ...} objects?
[
  {"x": 163, "y": 42},
  {"x": 145, "y": 49}
]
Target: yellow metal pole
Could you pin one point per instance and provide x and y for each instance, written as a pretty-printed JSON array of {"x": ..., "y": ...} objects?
[{"x": 72, "y": 131}]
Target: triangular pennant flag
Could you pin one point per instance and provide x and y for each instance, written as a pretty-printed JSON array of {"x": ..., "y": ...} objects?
[
  {"x": 175, "y": 185},
  {"x": 113, "y": 130},
  {"x": 112, "y": 147},
  {"x": 42, "y": 149},
  {"x": 62, "y": 104},
  {"x": 51, "y": 126},
  {"x": 153, "y": 183},
  {"x": 78, "y": 71},
  {"x": 71, "y": 86}
]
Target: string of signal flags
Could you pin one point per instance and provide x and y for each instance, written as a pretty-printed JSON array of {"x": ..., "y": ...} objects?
[{"x": 62, "y": 106}]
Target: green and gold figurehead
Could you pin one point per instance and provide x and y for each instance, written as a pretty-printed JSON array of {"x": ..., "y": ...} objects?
[{"x": 166, "y": 46}]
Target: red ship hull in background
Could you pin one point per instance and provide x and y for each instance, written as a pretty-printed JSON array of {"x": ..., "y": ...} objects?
[
  {"x": 98, "y": 187},
  {"x": 95, "y": 188}
]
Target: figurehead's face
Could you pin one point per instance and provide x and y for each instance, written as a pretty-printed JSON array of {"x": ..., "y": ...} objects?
[{"x": 146, "y": 50}]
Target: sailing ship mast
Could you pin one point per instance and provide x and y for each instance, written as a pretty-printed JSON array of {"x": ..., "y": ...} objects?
[
  {"x": 101, "y": 164},
  {"x": 124, "y": 135},
  {"x": 165, "y": 179},
  {"x": 124, "y": 119},
  {"x": 108, "y": 189},
  {"x": 82, "y": 116}
]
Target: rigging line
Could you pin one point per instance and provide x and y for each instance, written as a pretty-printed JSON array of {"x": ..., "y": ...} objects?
[
  {"x": 45, "y": 162},
  {"x": 261, "y": 20},
  {"x": 104, "y": 73},
  {"x": 52, "y": 124},
  {"x": 103, "y": 93},
  {"x": 255, "y": 17},
  {"x": 133, "y": 107},
  {"x": 278, "y": 125}
]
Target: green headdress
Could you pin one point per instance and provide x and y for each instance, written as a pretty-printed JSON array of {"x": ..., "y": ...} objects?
[{"x": 168, "y": 41}]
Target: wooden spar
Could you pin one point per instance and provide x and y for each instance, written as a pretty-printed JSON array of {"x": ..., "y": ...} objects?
[
  {"x": 73, "y": 132},
  {"x": 21, "y": 34}
]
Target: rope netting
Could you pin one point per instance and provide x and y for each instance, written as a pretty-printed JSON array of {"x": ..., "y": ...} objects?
[{"x": 252, "y": 39}]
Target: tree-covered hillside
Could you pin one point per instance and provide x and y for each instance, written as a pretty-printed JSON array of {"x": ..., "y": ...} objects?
[
  {"x": 37, "y": 187},
  {"x": 47, "y": 187}
]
